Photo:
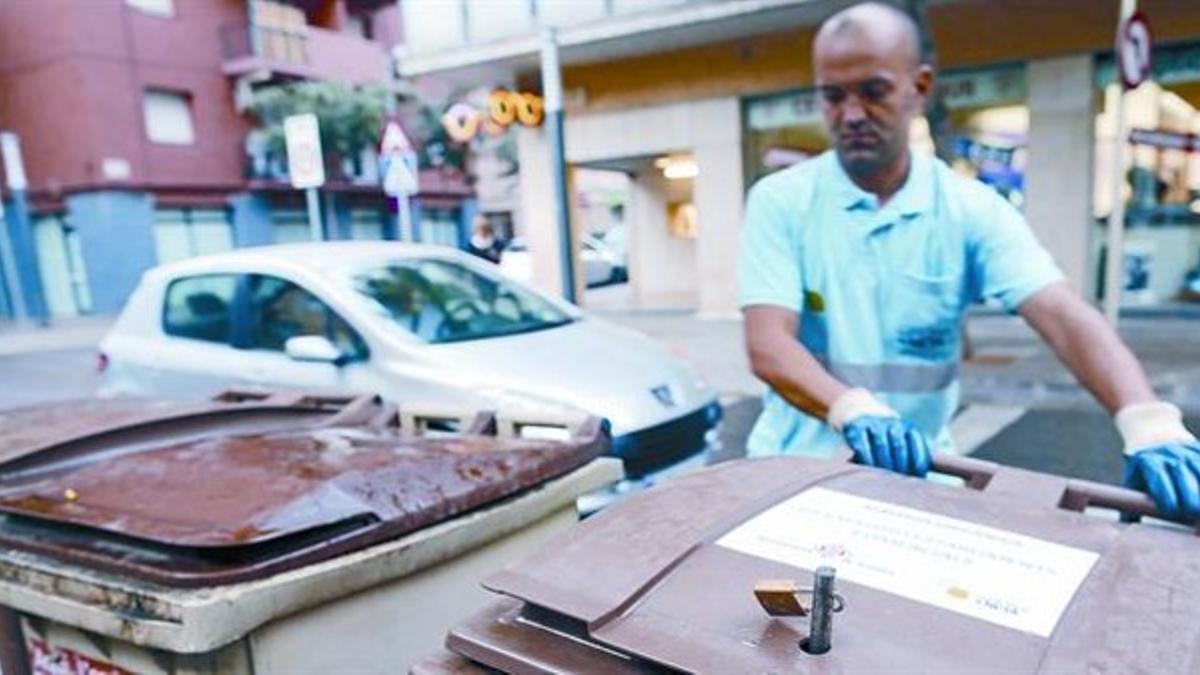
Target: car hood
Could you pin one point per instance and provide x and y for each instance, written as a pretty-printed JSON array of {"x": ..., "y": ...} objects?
[{"x": 589, "y": 364}]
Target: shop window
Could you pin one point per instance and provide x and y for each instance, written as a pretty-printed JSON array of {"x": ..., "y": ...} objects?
[
  {"x": 1161, "y": 177},
  {"x": 186, "y": 233},
  {"x": 681, "y": 220},
  {"x": 168, "y": 117},
  {"x": 987, "y": 128},
  {"x": 199, "y": 307},
  {"x": 290, "y": 226},
  {"x": 367, "y": 223},
  {"x": 440, "y": 226},
  {"x": 60, "y": 262}
]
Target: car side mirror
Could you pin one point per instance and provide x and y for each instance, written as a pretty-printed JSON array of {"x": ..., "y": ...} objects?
[{"x": 314, "y": 348}]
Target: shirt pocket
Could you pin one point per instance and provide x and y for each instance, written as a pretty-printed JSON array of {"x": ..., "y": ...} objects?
[{"x": 922, "y": 315}]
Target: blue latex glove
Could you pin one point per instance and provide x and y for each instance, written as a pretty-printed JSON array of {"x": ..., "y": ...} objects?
[
  {"x": 888, "y": 443},
  {"x": 1170, "y": 474}
]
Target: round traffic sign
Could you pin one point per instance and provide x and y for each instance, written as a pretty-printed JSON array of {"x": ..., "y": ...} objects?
[{"x": 1134, "y": 44}]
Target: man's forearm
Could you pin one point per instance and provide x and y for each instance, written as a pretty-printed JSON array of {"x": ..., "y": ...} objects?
[
  {"x": 1089, "y": 347},
  {"x": 794, "y": 373}
]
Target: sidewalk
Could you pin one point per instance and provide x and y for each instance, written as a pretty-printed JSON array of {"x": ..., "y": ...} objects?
[{"x": 73, "y": 333}]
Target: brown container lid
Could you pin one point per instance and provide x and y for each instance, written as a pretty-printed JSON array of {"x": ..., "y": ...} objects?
[
  {"x": 655, "y": 580},
  {"x": 219, "y": 505}
]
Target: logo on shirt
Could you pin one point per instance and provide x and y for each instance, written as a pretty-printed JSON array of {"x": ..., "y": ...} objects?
[
  {"x": 933, "y": 341},
  {"x": 813, "y": 302}
]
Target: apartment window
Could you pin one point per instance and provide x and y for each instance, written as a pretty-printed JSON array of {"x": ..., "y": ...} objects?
[
  {"x": 168, "y": 117},
  {"x": 359, "y": 25},
  {"x": 164, "y": 8}
]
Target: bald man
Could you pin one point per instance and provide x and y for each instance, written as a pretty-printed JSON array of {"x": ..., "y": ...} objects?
[{"x": 858, "y": 265}]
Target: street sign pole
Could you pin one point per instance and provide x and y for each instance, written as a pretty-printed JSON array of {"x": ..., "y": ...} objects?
[
  {"x": 306, "y": 165},
  {"x": 400, "y": 173},
  {"x": 1114, "y": 261},
  {"x": 315, "y": 230},
  {"x": 552, "y": 93},
  {"x": 404, "y": 217}
]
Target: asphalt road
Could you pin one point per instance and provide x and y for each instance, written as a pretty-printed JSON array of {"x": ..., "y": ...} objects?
[{"x": 47, "y": 376}]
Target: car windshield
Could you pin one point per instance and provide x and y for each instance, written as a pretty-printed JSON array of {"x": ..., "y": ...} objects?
[{"x": 444, "y": 301}]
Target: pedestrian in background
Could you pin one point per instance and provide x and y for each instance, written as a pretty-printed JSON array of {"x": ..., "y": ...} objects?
[
  {"x": 483, "y": 241},
  {"x": 858, "y": 265}
]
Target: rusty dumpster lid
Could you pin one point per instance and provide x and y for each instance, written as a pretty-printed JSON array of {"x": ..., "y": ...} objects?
[
  {"x": 219, "y": 507},
  {"x": 1006, "y": 576}
]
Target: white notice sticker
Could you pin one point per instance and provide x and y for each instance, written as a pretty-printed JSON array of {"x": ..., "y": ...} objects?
[{"x": 1002, "y": 577}]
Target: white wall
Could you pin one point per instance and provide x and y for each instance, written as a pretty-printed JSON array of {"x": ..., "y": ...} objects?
[
  {"x": 662, "y": 268},
  {"x": 1059, "y": 177},
  {"x": 538, "y": 213}
]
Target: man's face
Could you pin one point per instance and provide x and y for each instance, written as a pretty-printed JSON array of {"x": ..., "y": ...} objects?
[{"x": 869, "y": 94}]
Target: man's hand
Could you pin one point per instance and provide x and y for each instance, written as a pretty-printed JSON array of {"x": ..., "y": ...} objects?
[
  {"x": 1164, "y": 458},
  {"x": 877, "y": 435}
]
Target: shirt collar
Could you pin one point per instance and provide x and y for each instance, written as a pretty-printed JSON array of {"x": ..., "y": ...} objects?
[{"x": 914, "y": 197}]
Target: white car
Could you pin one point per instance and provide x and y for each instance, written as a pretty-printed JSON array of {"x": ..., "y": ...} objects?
[
  {"x": 600, "y": 264},
  {"x": 411, "y": 322}
]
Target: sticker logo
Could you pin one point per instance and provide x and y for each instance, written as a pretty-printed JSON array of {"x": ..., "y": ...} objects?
[{"x": 813, "y": 302}]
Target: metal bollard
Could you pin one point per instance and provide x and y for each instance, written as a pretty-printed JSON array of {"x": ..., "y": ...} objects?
[{"x": 820, "y": 630}]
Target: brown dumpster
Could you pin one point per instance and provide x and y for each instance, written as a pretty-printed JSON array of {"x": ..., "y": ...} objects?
[
  {"x": 1017, "y": 572},
  {"x": 267, "y": 533}
]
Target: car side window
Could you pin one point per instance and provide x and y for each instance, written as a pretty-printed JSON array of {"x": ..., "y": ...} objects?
[
  {"x": 281, "y": 310},
  {"x": 199, "y": 307}
]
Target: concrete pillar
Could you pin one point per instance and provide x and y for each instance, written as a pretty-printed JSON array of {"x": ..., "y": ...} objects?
[
  {"x": 718, "y": 197},
  {"x": 662, "y": 268},
  {"x": 538, "y": 213},
  {"x": 1058, "y": 201},
  {"x": 251, "y": 215},
  {"x": 116, "y": 233}
]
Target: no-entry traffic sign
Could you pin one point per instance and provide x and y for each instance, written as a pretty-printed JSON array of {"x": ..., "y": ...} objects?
[{"x": 1134, "y": 45}]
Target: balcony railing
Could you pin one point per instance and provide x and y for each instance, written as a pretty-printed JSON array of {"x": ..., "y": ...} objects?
[
  {"x": 305, "y": 53},
  {"x": 273, "y": 45}
]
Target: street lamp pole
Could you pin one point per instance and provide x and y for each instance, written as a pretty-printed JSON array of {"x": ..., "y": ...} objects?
[
  {"x": 552, "y": 94},
  {"x": 1114, "y": 260}
]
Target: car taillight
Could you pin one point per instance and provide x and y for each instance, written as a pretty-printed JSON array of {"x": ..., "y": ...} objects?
[{"x": 101, "y": 362}]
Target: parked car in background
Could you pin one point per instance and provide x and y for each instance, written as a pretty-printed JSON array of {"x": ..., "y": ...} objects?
[
  {"x": 601, "y": 265},
  {"x": 411, "y": 322}
]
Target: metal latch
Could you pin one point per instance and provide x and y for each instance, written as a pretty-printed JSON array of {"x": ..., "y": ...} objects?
[{"x": 785, "y": 597}]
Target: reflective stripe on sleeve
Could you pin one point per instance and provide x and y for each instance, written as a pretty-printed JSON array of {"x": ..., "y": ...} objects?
[{"x": 901, "y": 378}]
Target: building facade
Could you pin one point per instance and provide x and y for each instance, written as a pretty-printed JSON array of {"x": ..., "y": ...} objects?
[
  {"x": 694, "y": 100},
  {"x": 131, "y": 117}
]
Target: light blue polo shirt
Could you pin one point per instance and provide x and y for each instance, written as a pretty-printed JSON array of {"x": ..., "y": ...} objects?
[{"x": 881, "y": 292}]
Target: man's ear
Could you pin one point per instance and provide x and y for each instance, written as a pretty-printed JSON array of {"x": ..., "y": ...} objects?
[{"x": 924, "y": 80}]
